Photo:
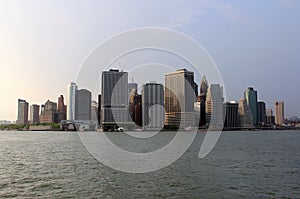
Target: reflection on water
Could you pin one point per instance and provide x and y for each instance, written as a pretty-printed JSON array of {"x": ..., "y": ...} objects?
[{"x": 243, "y": 164}]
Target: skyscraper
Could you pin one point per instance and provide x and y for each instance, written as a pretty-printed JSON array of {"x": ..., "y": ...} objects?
[
  {"x": 114, "y": 99},
  {"x": 261, "y": 113},
  {"x": 279, "y": 113},
  {"x": 245, "y": 116},
  {"x": 231, "y": 114},
  {"x": 22, "y": 112},
  {"x": 72, "y": 88},
  {"x": 34, "y": 114},
  {"x": 83, "y": 103},
  {"x": 203, "y": 91},
  {"x": 61, "y": 109},
  {"x": 152, "y": 105},
  {"x": 49, "y": 113},
  {"x": 179, "y": 99},
  {"x": 214, "y": 106},
  {"x": 250, "y": 96},
  {"x": 94, "y": 111},
  {"x": 270, "y": 120}
]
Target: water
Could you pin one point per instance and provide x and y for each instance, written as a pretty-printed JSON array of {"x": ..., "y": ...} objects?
[{"x": 242, "y": 165}]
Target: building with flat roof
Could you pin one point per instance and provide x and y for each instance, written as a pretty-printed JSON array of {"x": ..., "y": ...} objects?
[{"x": 22, "y": 112}]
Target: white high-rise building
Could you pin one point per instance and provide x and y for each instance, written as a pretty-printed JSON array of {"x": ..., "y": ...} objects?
[
  {"x": 114, "y": 99},
  {"x": 71, "y": 96},
  {"x": 214, "y": 106},
  {"x": 153, "y": 106},
  {"x": 179, "y": 99}
]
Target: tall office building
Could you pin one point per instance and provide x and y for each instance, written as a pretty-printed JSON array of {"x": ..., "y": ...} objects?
[
  {"x": 132, "y": 88},
  {"x": 72, "y": 88},
  {"x": 61, "y": 109},
  {"x": 83, "y": 101},
  {"x": 279, "y": 113},
  {"x": 202, "y": 99},
  {"x": 49, "y": 113},
  {"x": 214, "y": 106},
  {"x": 245, "y": 116},
  {"x": 270, "y": 119},
  {"x": 179, "y": 99},
  {"x": 250, "y": 96},
  {"x": 94, "y": 111},
  {"x": 22, "y": 112},
  {"x": 114, "y": 99},
  {"x": 231, "y": 114},
  {"x": 261, "y": 113},
  {"x": 135, "y": 108},
  {"x": 34, "y": 114},
  {"x": 152, "y": 105},
  {"x": 99, "y": 111}
]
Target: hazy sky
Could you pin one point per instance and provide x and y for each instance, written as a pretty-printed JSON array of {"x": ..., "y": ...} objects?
[{"x": 254, "y": 43}]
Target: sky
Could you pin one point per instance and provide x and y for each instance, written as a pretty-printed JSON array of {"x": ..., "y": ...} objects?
[{"x": 253, "y": 43}]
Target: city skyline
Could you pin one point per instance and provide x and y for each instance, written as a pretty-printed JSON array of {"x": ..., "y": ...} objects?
[{"x": 261, "y": 48}]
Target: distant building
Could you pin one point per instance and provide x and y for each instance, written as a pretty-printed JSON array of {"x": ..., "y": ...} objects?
[
  {"x": 231, "y": 114},
  {"x": 245, "y": 116},
  {"x": 49, "y": 113},
  {"x": 214, "y": 106},
  {"x": 94, "y": 111},
  {"x": 132, "y": 88},
  {"x": 22, "y": 112},
  {"x": 279, "y": 113},
  {"x": 202, "y": 99},
  {"x": 136, "y": 106},
  {"x": 179, "y": 99},
  {"x": 114, "y": 99},
  {"x": 72, "y": 88},
  {"x": 261, "y": 113},
  {"x": 270, "y": 119},
  {"x": 61, "y": 109},
  {"x": 99, "y": 110},
  {"x": 83, "y": 101},
  {"x": 152, "y": 105},
  {"x": 34, "y": 114},
  {"x": 250, "y": 96}
]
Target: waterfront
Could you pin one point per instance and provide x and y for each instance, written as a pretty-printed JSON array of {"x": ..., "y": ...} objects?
[{"x": 256, "y": 164}]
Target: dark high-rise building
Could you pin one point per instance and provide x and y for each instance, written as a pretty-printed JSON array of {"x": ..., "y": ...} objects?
[
  {"x": 83, "y": 104},
  {"x": 261, "y": 113},
  {"x": 61, "y": 109},
  {"x": 34, "y": 114},
  {"x": 250, "y": 96},
  {"x": 114, "y": 99},
  {"x": 49, "y": 113},
  {"x": 22, "y": 112},
  {"x": 137, "y": 114},
  {"x": 99, "y": 110},
  {"x": 215, "y": 107},
  {"x": 202, "y": 99},
  {"x": 231, "y": 114}
]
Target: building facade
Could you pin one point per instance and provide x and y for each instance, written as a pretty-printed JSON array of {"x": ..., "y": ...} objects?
[
  {"x": 279, "y": 113},
  {"x": 61, "y": 109},
  {"x": 245, "y": 116},
  {"x": 270, "y": 119},
  {"x": 83, "y": 101},
  {"x": 231, "y": 114},
  {"x": 22, "y": 112},
  {"x": 34, "y": 114},
  {"x": 114, "y": 99},
  {"x": 153, "y": 105},
  {"x": 261, "y": 113},
  {"x": 49, "y": 113},
  {"x": 214, "y": 106},
  {"x": 72, "y": 88},
  {"x": 179, "y": 99},
  {"x": 202, "y": 99},
  {"x": 250, "y": 96}
]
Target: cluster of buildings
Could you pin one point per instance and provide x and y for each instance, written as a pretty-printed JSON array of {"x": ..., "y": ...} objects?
[{"x": 175, "y": 105}]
